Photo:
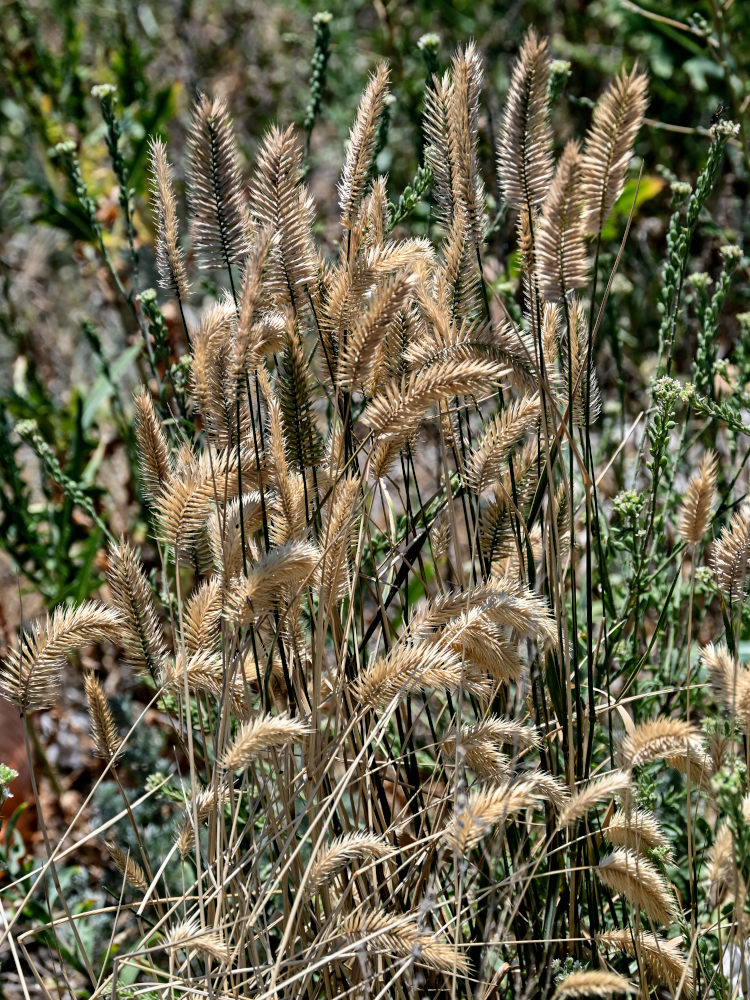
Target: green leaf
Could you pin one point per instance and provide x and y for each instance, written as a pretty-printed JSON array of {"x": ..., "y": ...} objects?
[{"x": 649, "y": 187}]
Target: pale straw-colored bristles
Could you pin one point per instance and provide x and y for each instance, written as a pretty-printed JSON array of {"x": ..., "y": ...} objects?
[
  {"x": 656, "y": 740},
  {"x": 664, "y": 961},
  {"x": 592, "y": 983},
  {"x": 129, "y": 868},
  {"x": 107, "y": 740},
  {"x": 262, "y": 734},
  {"x": 525, "y": 148},
  {"x": 609, "y": 142},
  {"x": 731, "y": 554},
  {"x": 638, "y": 880},
  {"x": 695, "y": 511},
  {"x": 595, "y": 792},
  {"x": 383, "y": 934}
]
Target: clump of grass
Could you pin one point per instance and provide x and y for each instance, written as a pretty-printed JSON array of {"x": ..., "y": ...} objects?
[{"x": 407, "y": 697}]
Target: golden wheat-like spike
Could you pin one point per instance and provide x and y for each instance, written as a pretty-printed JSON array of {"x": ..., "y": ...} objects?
[
  {"x": 463, "y": 115},
  {"x": 656, "y": 739},
  {"x": 203, "y": 671},
  {"x": 691, "y": 759},
  {"x": 509, "y": 732},
  {"x": 479, "y": 744},
  {"x": 592, "y": 983},
  {"x": 575, "y": 359},
  {"x": 133, "y": 873},
  {"x": 31, "y": 676},
  {"x": 266, "y": 732},
  {"x": 635, "y": 878},
  {"x": 361, "y": 146},
  {"x": 502, "y": 601},
  {"x": 107, "y": 741},
  {"x": 664, "y": 961},
  {"x": 486, "y": 807},
  {"x": 460, "y": 278},
  {"x": 340, "y": 852},
  {"x": 282, "y": 205},
  {"x": 730, "y": 681},
  {"x": 480, "y": 756},
  {"x": 695, "y": 510},
  {"x": 220, "y": 226},
  {"x": 337, "y": 539},
  {"x": 466, "y": 341},
  {"x": 408, "y": 668},
  {"x": 638, "y": 830},
  {"x": 496, "y": 529},
  {"x": 475, "y": 638},
  {"x": 141, "y": 635},
  {"x": 382, "y": 933},
  {"x": 398, "y": 410},
  {"x": 289, "y": 566},
  {"x": 214, "y": 390},
  {"x": 731, "y": 554},
  {"x": 501, "y": 434},
  {"x": 561, "y": 260},
  {"x": 251, "y": 341},
  {"x": 550, "y": 787},
  {"x": 439, "y": 155},
  {"x": 154, "y": 460},
  {"x": 195, "y": 488},
  {"x": 609, "y": 142},
  {"x": 226, "y": 528},
  {"x": 170, "y": 262},
  {"x": 375, "y": 211},
  {"x": 596, "y": 791},
  {"x": 289, "y": 521},
  {"x": 190, "y": 936},
  {"x": 525, "y": 148},
  {"x": 358, "y": 353}
]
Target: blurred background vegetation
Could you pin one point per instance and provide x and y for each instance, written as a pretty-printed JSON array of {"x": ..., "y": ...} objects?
[{"x": 76, "y": 230}]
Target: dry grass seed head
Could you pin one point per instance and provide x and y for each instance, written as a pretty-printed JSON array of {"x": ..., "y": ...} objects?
[
  {"x": 638, "y": 830},
  {"x": 486, "y": 807},
  {"x": 282, "y": 205},
  {"x": 615, "y": 122},
  {"x": 562, "y": 263},
  {"x": 730, "y": 681},
  {"x": 656, "y": 740},
  {"x": 264, "y": 733},
  {"x": 31, "y": 676},
  {"x": 663, "y": 959},
  {"x": 133, "y": 873},
  {"x": 272, "y": 581},
  {"x": 731, "y": 554},
  {"x": 500, "y": 435},
  {"x": 361, "y": 146},
  {"x": 141, "y": 636},
  {"x": 408, "y": 668},
  {"x": 154, "y": 459},
  {"x": 592, "y": 983},
  {"x": 635, "y": 878},
  {"x": 220, "y": 226},
  {"x": 402, "y": 938},
  {"x": 170, "y": 262},
  {"x": 107, "y": 741},
  {"x": 189, "y": 936},
  {"x": 695, "y": 511},
  {"x": 341, "y": 851},
  {"x": 525, "y": 148},
  {"x": 595, "y": 792}
]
